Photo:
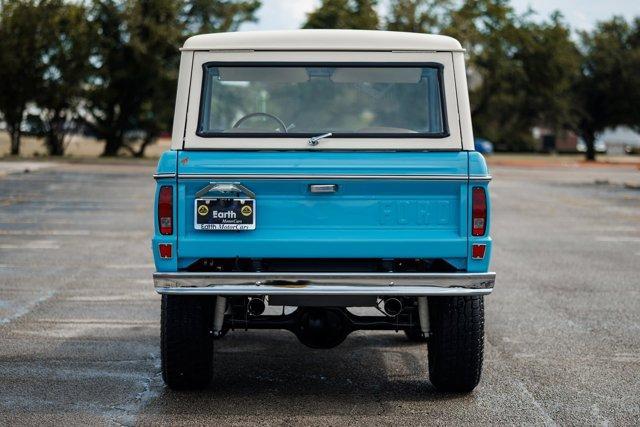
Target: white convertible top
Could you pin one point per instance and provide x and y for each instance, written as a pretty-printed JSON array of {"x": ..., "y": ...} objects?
[{"x": 329, "y": 40}]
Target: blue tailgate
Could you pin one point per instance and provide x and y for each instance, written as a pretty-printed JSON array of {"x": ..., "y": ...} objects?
[{"x": 387, "y": 204}]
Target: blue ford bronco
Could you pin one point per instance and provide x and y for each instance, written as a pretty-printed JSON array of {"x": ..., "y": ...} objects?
[{"x": 312, "y": 172}]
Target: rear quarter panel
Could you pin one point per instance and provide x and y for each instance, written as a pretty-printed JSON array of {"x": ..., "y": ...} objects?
[{"x": 478, "y": 167}]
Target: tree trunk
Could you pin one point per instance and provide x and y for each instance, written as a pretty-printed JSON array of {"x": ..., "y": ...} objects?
[
  {"x": 15, "y": 133},
  {"x": 590, "y": 142},
  {"x": 54, "y": 138},
  {"x": 148, "y": 140},
  {"x": 112, "y": 146},
  {"x": 54, "y": 143}
]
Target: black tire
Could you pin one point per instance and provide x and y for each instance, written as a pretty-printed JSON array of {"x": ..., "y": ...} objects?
[
  {"x": 186, "y": 341},
  {"x": 456, "y": 342},
  {"x": 414, "y": 334}
]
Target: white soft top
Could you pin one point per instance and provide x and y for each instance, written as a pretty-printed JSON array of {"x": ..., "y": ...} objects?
[{"x": 329, "y": 40}]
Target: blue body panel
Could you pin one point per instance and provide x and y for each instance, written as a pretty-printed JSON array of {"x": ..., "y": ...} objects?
[{"x": 372, "y": 218}]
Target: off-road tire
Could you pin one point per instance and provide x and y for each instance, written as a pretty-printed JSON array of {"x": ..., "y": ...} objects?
[
  {"x": 186, "y": 341},
  {"x": 456, "y": 342}
]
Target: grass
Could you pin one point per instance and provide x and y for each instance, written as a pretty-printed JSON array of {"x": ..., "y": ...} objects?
[
  {"x": 87, "y": 150},
  {"x": 79, "y": 147}
]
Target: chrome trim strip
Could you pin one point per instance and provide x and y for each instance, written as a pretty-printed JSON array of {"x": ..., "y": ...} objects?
[
  {"x": 163, "y": 175},
  {"x": 325, "y": 283},
  {"x": 480, "y": 177},
  {"x": 320, "y": 176}
]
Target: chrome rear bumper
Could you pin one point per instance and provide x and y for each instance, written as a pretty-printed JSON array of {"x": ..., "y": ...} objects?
[{"x": 261, "y": 283}]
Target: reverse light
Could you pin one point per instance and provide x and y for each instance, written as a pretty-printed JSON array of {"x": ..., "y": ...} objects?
[
  {"x": 165, "y": 250},
  {"x": 165, "y": 210},
  {"x": 478, "y": 251},
  {"x": 478, "y": 211}
]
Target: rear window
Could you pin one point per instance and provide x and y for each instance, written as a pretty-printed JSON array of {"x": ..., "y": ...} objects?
[{"x": 309, "y": 99}]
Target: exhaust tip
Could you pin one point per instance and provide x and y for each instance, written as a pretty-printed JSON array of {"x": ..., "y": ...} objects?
[
  {"x": 256, "y": 306},
  {"x": 392, "y": 306}
]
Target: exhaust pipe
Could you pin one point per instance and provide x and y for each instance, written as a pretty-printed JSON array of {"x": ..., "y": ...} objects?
[
  {"x": 256, "y": 306},
  {"x": 392, "y": 306}
]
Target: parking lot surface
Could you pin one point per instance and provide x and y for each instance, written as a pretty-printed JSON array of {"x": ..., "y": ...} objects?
[{"x": 79, "y": 320}]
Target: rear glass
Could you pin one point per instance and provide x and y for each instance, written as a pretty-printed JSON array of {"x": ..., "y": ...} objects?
[{"x": 309, "y": 100}]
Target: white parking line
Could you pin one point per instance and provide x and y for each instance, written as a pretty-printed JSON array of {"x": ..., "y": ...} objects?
[
  {"x": 44, "y": 232},
  {"x": 127, "y": 266},
  {"x": 621, "y": 239},
  {"x": 35, "y": 244}
]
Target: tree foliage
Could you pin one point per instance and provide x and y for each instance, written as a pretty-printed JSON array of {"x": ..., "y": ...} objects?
[
  {"x": 419, "y": 16},
  {"x": 345, "y": 14},
  {"x": 136, "y": 63},
  {"x": 523, "y": 71},
  {"x": 213, "y": 16}
]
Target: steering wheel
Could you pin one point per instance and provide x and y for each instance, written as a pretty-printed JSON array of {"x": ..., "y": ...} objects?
[{"x": 271, "y": 116}]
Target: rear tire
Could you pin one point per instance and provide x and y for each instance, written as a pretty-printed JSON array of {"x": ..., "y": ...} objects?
[
  {"x": 456, "y": 342},
  {"x": 186, "y": 341}
]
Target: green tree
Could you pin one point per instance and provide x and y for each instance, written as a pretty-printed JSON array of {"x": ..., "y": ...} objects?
[
  {"x": 66, "y": 54},
  {"x": 22, "y": 31},
  {"x": 344, "y": 14},
  {"x": 520, "y": 71},
  {"x": 214, "y": 16},
  {"x": 419, "y": 16},
  {"x": 608, "y": 89},
  {"x": 136, "y": 62}
]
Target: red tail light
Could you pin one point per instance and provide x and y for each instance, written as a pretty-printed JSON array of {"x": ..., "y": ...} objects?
[
  {"x": 165, "y": 210},
  {"x": 165, "y": 250},
  {"x": 478, "y": 212}
]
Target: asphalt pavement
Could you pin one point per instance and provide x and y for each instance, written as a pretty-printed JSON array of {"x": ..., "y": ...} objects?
[{"x": 79, "y": 321}]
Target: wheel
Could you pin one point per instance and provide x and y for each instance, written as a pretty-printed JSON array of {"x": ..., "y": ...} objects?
[
  {"x": 414, "y": 334},
  {"x": 186, "y": 341},
  {"x": 456, "y": 342}
]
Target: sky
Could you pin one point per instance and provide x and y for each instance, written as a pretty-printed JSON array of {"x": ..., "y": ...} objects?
[{"x": 580, "y": 14}]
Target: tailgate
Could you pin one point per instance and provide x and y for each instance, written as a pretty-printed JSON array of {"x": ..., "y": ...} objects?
[{"x": 385, "y": 204}]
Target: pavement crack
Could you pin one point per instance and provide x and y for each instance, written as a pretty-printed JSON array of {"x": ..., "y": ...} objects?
[{"x": 126, "y": 414}]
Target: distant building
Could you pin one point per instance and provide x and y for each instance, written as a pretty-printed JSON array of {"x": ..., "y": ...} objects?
[
  {"x": 619, "y": 140},
  {"x": 550, "y": 141}
]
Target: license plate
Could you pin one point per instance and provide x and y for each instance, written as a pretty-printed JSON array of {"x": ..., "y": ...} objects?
[{"x": 225, "y": 214}]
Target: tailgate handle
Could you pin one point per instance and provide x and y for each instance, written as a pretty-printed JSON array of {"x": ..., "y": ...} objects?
[
  {"x": 226, "y": 187},
  {"x": 323, "y": 188}
]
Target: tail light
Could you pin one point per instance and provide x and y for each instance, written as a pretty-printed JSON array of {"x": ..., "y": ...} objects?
[
  {"x": 478, "y": 211},
  {"x": 165, "y": 250},
  {"x": 478, "y": 251},
  {"x": 165, "y": 210}
]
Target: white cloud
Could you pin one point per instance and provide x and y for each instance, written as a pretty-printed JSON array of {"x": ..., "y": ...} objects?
[{"x": 281, "y": 14}]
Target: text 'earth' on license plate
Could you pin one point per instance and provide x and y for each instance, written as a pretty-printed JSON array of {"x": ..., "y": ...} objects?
[{"x": 225, "y": 214}]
